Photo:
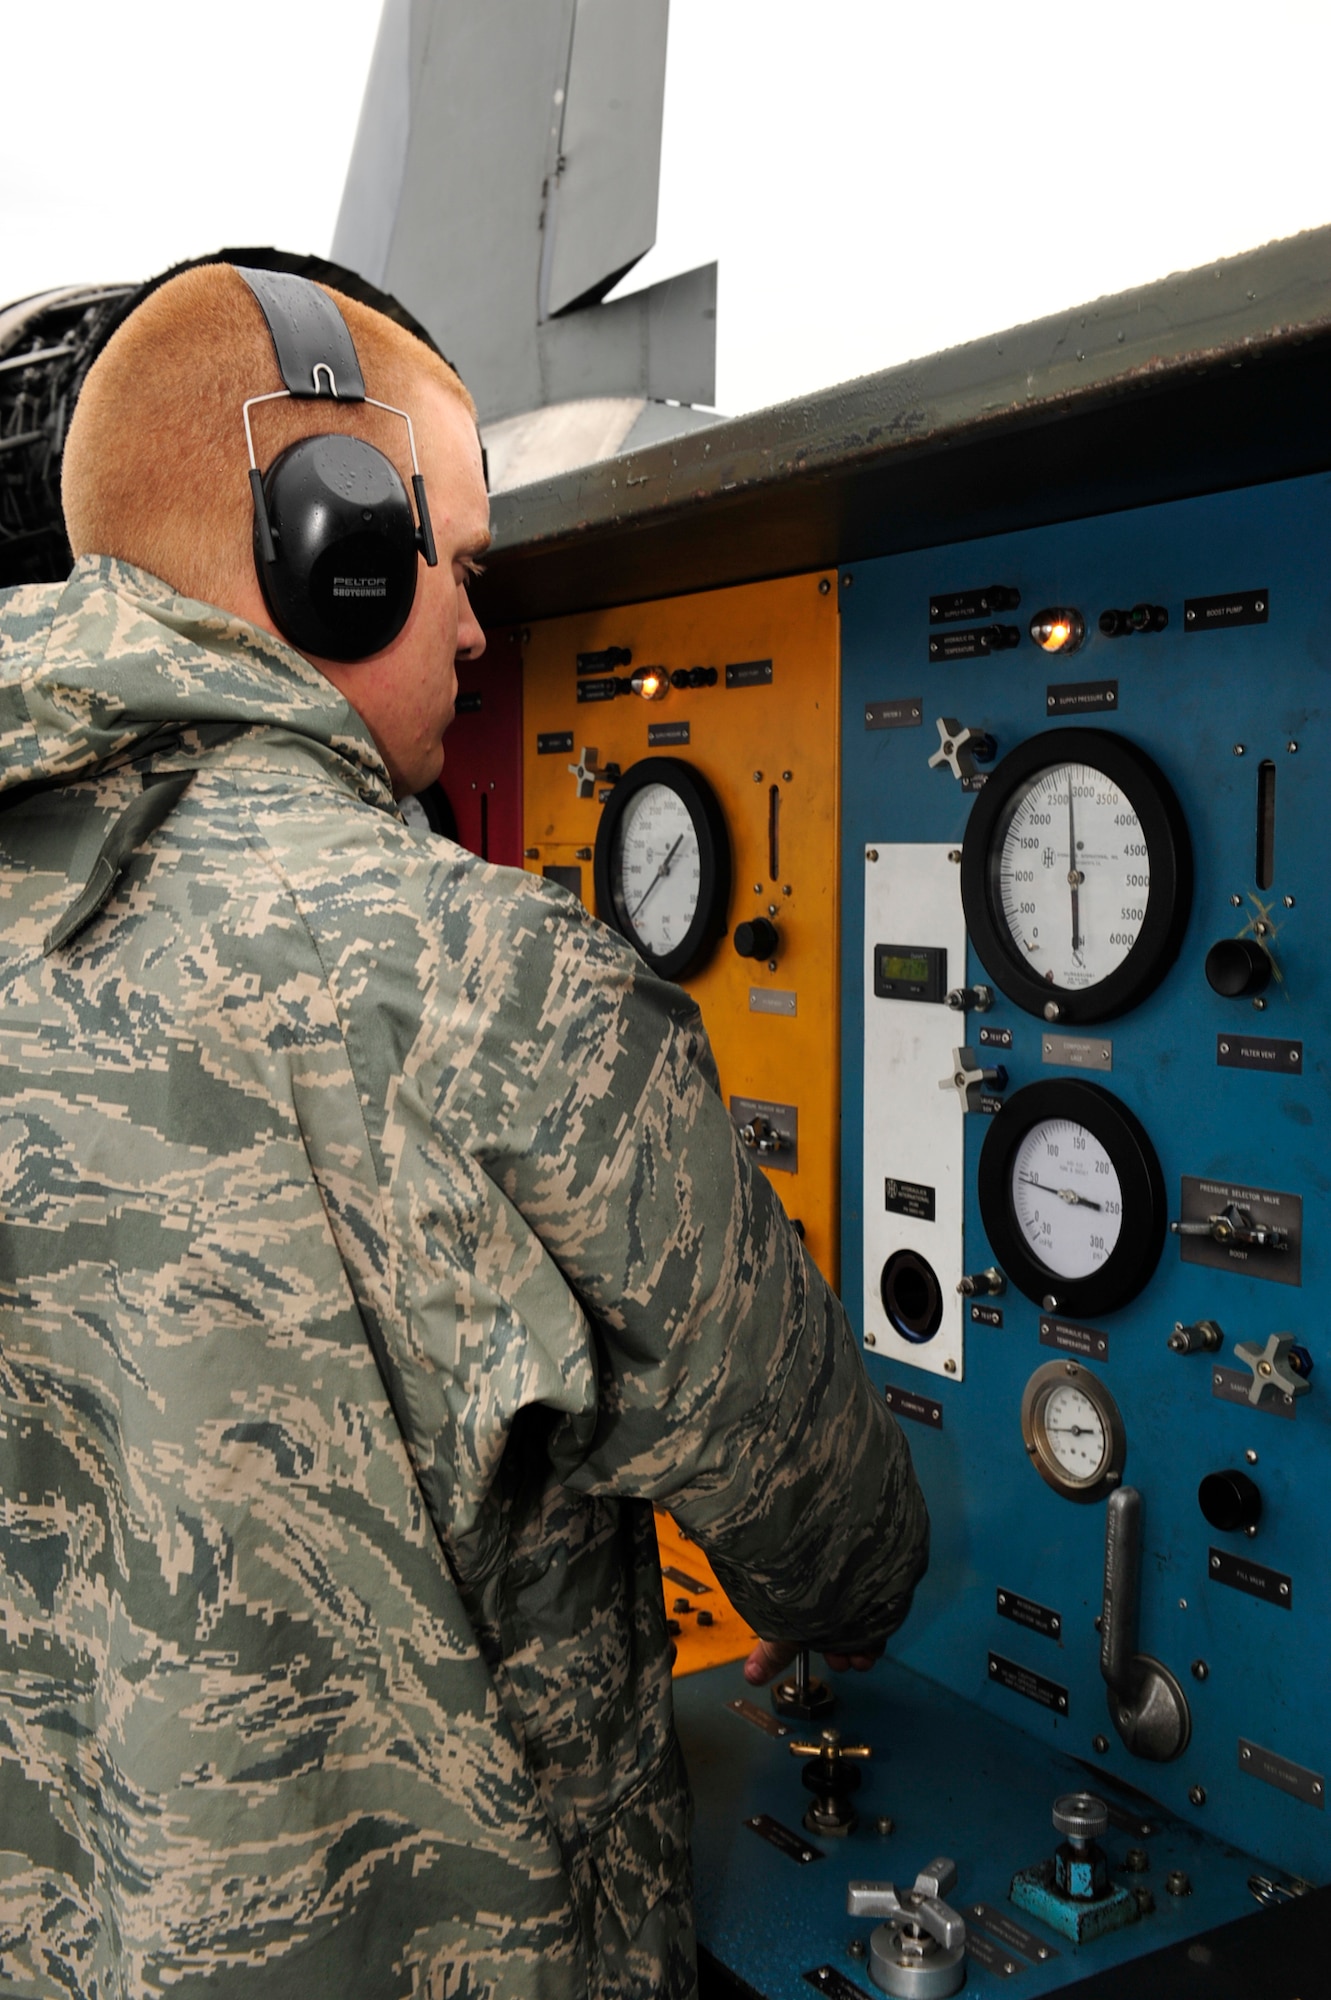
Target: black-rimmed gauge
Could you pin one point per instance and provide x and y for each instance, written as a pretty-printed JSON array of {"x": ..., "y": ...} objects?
[
  {"x": 1072, "y": 1197},
  {"x": 1076, "y": 875},
  {"x": 1072, "y": 1431},
  {"x": 662, "y": 864}
]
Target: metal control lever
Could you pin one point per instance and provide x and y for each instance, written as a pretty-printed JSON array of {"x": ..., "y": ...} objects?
[
  {"x": 970, "y": 1079},
  {"x": 960, "y": 750},
  {"x": 1237, "y": 1226},
  {"x": 1280, "y": 1367},
  {"x": 983, "y": 1284},
  {"x": 919, "y": 1951},
  {"x": 1148, "y": 1707},
  {"x": 589, "y": 769},
  {"x": 1202, "y": 1337}
]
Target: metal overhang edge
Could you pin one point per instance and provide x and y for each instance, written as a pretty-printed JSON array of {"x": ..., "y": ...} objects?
[{"x": 1115, "y": 403}]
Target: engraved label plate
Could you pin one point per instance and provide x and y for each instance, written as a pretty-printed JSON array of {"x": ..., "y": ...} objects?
[
  {"x": 1077, "y": 1051},
  {"x": 920, "y": 1409},
  {"x": 1009, "y": 1932},
  {"x": 948, "y": 606},
  {"x": 796, "y": 1846},
  {"x": 687, "y": 1582},
  {"x": 1266, "y": 1052},
  {"x": 987, "y": 1315},
  {"x": 761, "y": 1718},
  {"x": 1232, "y": 607},
  {"x": 1080, "y": 697},
  {"x": 1021, "y": 1680},
  {"x": 555, "y": 743},
  {"x": 1309, "y": 1786},
  {"x": 1242, "y": 1573},
  {"x": 904, "y": 714},
  {"x": 910, "y": 1198},
  {"x": 1069, "y": 1338},
  {"x": 995, "y": 1038},
  {"x": 770, "y": 1000},
  {"x": 749, "y": 674},
  {"x": 1024, "y": 1611},
  {"x": 992, "y": 1956},
  {"x": 1231, "y": 1385},
  {"x": 602, "y": 690},
  {"x": 834, "y": 1983},
  {"x": 1203, "y": 1198},
  {"x": 975, "y": 644},
  {"x": 659, "y": 734}
]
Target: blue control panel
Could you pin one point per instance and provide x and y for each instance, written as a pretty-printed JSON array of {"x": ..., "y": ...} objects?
[{"x": 1086, "y": 1226}]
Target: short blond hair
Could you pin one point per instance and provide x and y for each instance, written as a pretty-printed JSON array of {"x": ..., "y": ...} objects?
[{"x": 155, "y": 469}]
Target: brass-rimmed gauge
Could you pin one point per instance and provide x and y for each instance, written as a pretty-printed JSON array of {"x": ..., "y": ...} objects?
[
  {"x": 662, "y": 864},
  {"x": 1076, "y": 875},
  {"x": 1072, "y": 1197},
  {"x": 1072, "y": 1431}
]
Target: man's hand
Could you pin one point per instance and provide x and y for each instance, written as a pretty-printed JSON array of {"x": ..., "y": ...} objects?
[{"x": 771, "y": 1656}]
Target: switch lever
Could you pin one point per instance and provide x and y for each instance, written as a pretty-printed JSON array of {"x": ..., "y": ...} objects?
[{"x": 1146, "y": 1704}]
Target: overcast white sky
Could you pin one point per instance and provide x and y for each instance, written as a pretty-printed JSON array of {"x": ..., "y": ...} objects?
[{"x": 878, "y": 178}]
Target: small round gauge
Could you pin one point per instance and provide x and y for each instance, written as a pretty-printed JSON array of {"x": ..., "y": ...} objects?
[
  {"x": 1072, "y": 1196},
  {"x": 1076, "y": 875},
  {"x": 662, "y": 865},
  {"x": 1072, "y": 1431}
]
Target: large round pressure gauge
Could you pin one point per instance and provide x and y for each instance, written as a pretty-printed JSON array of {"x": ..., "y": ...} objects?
[
  {"x": 1072, "y": 1197},
  {"x": 662, "y": 865},
  {"x": 1076, "y": 875},
  {"x": 1072, "y": 1431}
]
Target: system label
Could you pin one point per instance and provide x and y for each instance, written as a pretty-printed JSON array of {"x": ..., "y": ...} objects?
[
  {"x": 995, "y": 1038},
  {"x": 975, "y": 644},
  {"x": 772, "y": 1000},
  {"x": 1309, "y": 1786},
  {"x": 909, "y": 1198},
  {"x": 1241, "y": 1573},
  {"x": 1202, "y": 1199},
  {"x": 1025, "y": 1611},
  {"x": 1021, "y": 1680},
  {"x": 1077, "y": 1051},
  {"x": 761, "y": 1718},
  {"x": 1009, "y": 1932},
  {"x": 906, "y": 714},
  {"x": 602, "y": 690},
  {"x": 1069, "y": 1338},
  {"x": 1232, "y": 607},
  {"x": 992, "y": 1956},
  {"x": 1264, "y": 1052},
  {"x": 951, "y": 606},
  {"x": 659, "y": 734},
  {"x": 749, "y": 674},
  {"x": 920, "y": 1409},
  {"x": 1232, "y": 1385},
  {"x": 555, "y": 743},
  {"x": 793, "y": 1845},
  {"x": 829, "y": 1980},
  {"x": 987, "y": 1315},
  {"x": 1080, "y": 697}
]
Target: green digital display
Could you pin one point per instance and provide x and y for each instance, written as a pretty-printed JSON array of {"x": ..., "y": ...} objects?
[
  {"x": 909, "y": 972},
  {"x": 896, "y": 965}
]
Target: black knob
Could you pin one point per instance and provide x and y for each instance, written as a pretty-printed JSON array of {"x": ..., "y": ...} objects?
[
  {"x": 1237, "y": 967},
  {"x": 757, "y": 939},
  {"x": 1230, "y": 1501}
]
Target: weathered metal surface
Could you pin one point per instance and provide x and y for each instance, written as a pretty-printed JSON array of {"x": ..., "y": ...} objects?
[{"x": 1186, "y": 385}]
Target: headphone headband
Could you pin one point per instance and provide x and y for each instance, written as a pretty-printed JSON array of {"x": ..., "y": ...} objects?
[{"x": 312, "y": 341}]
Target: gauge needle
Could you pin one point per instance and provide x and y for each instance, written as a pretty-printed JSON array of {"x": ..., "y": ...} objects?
[
  {"x": 1075, "y": 877},
  {"x": 664, "y": 869},
  {"x": 1070, "y": 1430},
  {"x": 1069, "y": 1195}
]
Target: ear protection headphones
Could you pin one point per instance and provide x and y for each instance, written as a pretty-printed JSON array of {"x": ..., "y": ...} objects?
[{"x": 336, "y": 542}]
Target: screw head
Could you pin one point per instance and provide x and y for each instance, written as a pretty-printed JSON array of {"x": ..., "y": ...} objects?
[
  {"x": 1177, "y": 1883},
  {"x": 857, "y": 1947},
  {"x": 757, "y": 777},
  {"x": 949, "y": 1367},
  {"x": 1291, "y": 749},
  {"x": 1251, "y": 1457},
  {"x": 1200, "y": 1670},
  {"x": 786, "y": 777},
  {"x": 1240, "y": 750},
  {"x": 824, "y": 585},
  {"x": 1196, "y": 1795},
  {"x": 1100, "y": 1745},
  {"x": 1236, "y": 902},
  {"x": 884, "y": 1824}
]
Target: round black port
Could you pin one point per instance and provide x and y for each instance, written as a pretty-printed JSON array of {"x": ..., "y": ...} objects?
[
  {"x": 912, "y": 1295},
  {"x": 1236, "y": 967},
  {"x": 1230, "y": 1501}
]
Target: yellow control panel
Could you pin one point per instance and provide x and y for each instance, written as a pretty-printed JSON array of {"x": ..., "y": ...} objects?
[{"x": 737, "y": 689}]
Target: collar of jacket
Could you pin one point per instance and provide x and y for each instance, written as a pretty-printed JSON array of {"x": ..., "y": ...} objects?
[{"x": 107, "y": 667}]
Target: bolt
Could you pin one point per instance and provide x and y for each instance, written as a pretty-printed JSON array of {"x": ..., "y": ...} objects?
[
  {"x": 786, "y": 777},
  {"x": 1196, "y": 1795},
  {"x": 1259, "y": 1004},
  {"x": 531, "y": 853},
  {"x": 771, "y": 965},
  {"x": 1292, "y": 749},
  {"x": 824, "y": 585},
  {"x": 786, "y": 889},
  {"x": 757, "y": 777},
  {"x": 1136, "y": 1861},
  {"x": 871, "y": 853},
  {"x": 954, "y": 854},
  {"x": 771, "y": 909},
  {"x": 1239, "y": 750},
  {"x": 847, "y": 580},
  {"x": 1200, "y": 1670},
  {"x": 1245, "y": 1756},
  {"x": 1251, "y": 1457},
  {"x": 1183, "y": 1604},
  {"x": 1100, "y": 1745},
  {"x": 1143, "y": 1898},
  {"x": 870, "y": 1340},
  {"x": 949, "y": 1367},
  {"x": 1177, "y": 1883},
  {"x": 884, "y": 1824},
  {"x": 857, "y": 1947},
  {"x": 1236, "y": 902}
]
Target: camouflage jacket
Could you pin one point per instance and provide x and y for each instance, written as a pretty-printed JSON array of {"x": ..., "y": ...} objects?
[{"x": 375, "y": 1251}]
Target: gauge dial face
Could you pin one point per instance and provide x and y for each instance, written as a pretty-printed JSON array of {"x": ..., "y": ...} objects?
[
  {"x": 1074, "y": 875},
  {"x": 1072, "y": 1431},
  {"x": 1066, "y": 1197},
  {"x": 657, "y": 869},
  {"x": 662, "y": 864},
  {"x": 1072, "y": 1196}
]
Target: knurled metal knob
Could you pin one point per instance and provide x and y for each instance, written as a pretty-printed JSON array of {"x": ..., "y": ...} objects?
[{"x": 1081, "y": 1816}]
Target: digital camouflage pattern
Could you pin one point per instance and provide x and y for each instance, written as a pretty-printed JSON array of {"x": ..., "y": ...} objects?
[{"x": 376, "y": 1249}]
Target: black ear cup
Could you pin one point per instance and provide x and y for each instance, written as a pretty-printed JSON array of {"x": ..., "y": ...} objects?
[{"x": 344, "y": 575}]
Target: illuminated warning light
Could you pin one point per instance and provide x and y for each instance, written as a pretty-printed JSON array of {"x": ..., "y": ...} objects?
[
  {"x": 651, "y": 683},
  {"x": 1058, "y": 630}
]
